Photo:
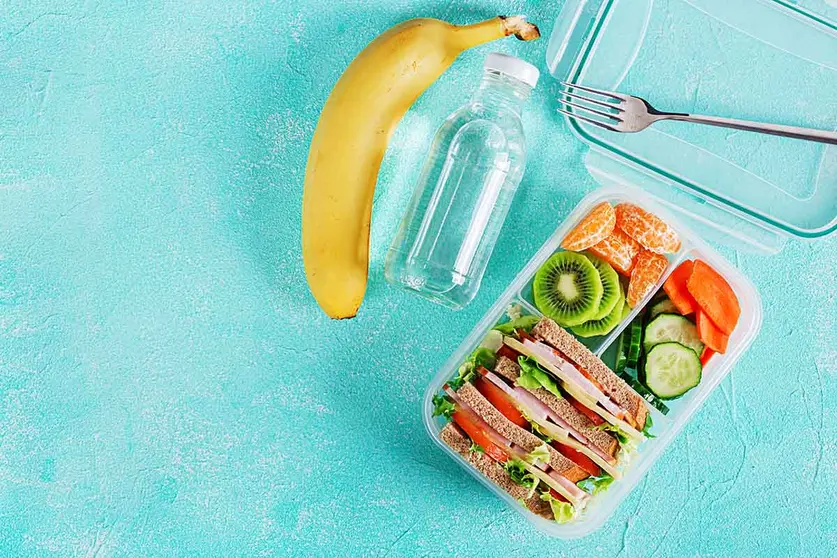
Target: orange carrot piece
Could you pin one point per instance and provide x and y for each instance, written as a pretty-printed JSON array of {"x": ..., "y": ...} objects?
[
  {"x": 648, "y": 268},
  {"x": 709, "y": 333},
  {"x": 619, "y": 250},
  {"x": 706, "y": 355},
  {"x": 678, "y": 293},
  {"x": 595, "y": 227},
  {"x": 714, "y": 296}
]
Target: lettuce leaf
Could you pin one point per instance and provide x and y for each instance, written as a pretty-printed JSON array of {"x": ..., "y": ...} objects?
[
  {"x": 536, "y": 430},
  {"x": 563, "y": 511},
  {"x": 519, "y": 474},
  {"x": 533, "y": 376},
  {"x": 623, "y": 438},
  {"x": 514, "y": 311},
  {"x": 443, "y": 406},
  {"x": 540, "y": 453},
  {"x": 475, "y": 448},
  {"x": 649, "y": 424},
  {"x": 594, "y": 485},
  {"x": 480, "y": 357},
  {"x": 526, "y": 323},
  {"x": 457, "y": 382}
]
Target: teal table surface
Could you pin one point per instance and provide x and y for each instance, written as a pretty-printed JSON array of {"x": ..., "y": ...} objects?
[{"x": 168, "y": 387}]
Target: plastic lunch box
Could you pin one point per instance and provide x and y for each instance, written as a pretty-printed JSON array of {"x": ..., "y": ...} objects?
[
  {"x": 749, "y": 191},
  {"x": 665, "y": 427}
]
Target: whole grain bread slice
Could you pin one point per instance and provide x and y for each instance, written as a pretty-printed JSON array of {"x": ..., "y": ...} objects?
[
  {"x": 461, "y": 444},
  {"x": 516, "y": 434},
  {"x": 507, "y": 368},
  {"x": 614, "y": 386},
  {"x": 540, "y": 507},
  {"x": 453, "y": 436},
  {"x": 563, "y": 408}
]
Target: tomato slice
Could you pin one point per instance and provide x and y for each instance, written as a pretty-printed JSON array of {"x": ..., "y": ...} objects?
[
  {"x": 500, "y": 399},
  {"x": 468, "y": 422},
  {"x": 590, "y": 414},
  {"x": 524, "y": 336},
  {"x": 579, "y": 459},
  {"x": 509, "y": 353},
  {"x": 554, "y": 493}
]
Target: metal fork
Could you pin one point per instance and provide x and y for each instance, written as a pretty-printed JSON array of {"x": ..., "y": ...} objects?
[{"x": 625, "y": 113}]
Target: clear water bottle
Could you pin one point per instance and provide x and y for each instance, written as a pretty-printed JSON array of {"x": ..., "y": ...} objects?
[{"x": 465, "y": 189}]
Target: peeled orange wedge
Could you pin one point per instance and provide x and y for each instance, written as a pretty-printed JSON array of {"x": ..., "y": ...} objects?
[
  {"x": 647, "y": 229},
  {"x": 648, "y": 268},
  {"x": 594, "y": 228},
  {"x": 619, "y": 250}
]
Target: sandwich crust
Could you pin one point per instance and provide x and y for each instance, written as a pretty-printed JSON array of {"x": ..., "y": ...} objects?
[{"x": 507, "y": 368}]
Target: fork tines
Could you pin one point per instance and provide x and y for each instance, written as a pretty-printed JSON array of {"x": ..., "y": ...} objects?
[{"x": 609, "y": 118}]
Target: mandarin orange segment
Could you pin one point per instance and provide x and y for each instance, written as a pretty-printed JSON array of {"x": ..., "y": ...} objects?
[
  {"x": 619, "y": 250},
  {"x": 594, "y": 228},
  {"x": 647, "y": 229},
  {"x": 648, "y": 268}
]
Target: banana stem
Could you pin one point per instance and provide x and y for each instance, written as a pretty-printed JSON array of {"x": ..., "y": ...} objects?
[
  {"x": 492, "y": 29},
  {"x": 520, "y": 28}
]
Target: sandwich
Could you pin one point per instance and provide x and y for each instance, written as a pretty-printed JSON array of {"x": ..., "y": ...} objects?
[
  {"x": 584, "y": 376},
  {"x": 542, "y": 417}
]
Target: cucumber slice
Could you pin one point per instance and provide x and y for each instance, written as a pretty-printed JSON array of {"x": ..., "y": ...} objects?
[
  {"x": 672, "y": 369},
  {"x": 666, "y": 328},
  {"x": 635, "y": 343},
  {"x": 664, "y": 306}
]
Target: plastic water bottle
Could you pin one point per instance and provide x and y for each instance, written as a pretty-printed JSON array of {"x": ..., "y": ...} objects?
[{"x": 465, "y": 189}]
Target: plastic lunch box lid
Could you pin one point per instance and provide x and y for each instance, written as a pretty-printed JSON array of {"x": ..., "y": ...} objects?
[
  {"x": 743, "y": 336},
  {"x": 751, "y": 191}
]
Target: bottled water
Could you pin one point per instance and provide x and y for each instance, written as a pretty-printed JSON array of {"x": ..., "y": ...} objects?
[{"x": 465, "y": 189}]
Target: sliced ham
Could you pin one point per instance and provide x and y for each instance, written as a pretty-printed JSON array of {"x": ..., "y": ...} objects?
[
  {"x": 536, "y": 410},
  {"x": 578, "y": 494}
]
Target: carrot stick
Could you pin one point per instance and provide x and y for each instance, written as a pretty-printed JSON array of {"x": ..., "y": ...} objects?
[
  {"x": 677, "y": 291},
  {"x": 714, "y": 296},
  {"x": 711, "y": 336},
  {"x": 706, "y": 355}
]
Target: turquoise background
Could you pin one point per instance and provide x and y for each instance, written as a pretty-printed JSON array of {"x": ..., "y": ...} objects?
[{"x": 168, "y": 386}]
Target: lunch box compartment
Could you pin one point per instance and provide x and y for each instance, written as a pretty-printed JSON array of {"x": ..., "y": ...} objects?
[
  {"x": 681, "y": 410},
  {"x": 599, "y": 344}
]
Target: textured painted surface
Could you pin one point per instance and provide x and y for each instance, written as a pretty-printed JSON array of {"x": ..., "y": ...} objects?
[{"x": 167, "y": 385}]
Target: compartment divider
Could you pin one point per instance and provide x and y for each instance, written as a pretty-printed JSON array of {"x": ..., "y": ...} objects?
[{"x": 679, "y": 258}]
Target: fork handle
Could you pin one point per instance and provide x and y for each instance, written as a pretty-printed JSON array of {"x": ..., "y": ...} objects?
[{"x": 797, "y": 132}]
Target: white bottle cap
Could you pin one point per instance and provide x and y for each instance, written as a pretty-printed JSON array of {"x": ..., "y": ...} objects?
[{"x": 514, "y": 67}]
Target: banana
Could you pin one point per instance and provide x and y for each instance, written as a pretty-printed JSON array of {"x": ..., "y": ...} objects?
[{"x": 355, "y": 125}]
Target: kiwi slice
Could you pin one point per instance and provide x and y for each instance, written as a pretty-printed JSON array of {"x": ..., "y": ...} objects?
[
  {"x": 626, "y": 311},
  {"x": 605, "y": 325},
  {"x": 568, "y": 289},
  {"x": 610, "y": 286}
]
